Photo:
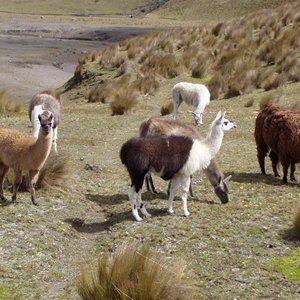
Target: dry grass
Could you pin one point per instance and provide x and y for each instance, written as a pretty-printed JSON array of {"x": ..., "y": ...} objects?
[
  {"x": 133, "y": 272},
  {"x": 56, "y": 172},
  {"x": 274, "y": 98},
  {"x": 166, "y": 109},
  {"x": 123, "y": 100},
  {"x": 7, "y": 106}
]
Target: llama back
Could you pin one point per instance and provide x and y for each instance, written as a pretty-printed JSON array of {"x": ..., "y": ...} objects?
[
  {"x": 161, "y": 155},
  {"x": 48, "y": 102},
  {"x": 281, "y": 131},
  {"x": 165, "y": 127}
]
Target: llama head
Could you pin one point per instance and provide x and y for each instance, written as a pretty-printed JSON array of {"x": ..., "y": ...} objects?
[
  {"x": 221, "y": 121},
  {"x": 46, "y": 119},
  {"x": 197, "y": 118},
  {"x": 221, "y": 189}
]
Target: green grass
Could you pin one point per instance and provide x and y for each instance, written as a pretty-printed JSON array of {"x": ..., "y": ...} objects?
[{"x": 288, "y": 266}]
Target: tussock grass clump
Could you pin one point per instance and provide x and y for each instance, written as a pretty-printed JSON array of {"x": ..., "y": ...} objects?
[
  {"x": 147, "y": 84},
  {"x": 249, "y": 103},
  {"x": 124, "y": 99},
  {"x": 215, "y": 86},
  {"x": 8, "y": 106},
  {"x": 133, "y": 273},
  {"x": 166, "y": 109},
  {"x": 56, "y": 172},
  {"x": 166, "y": 65},
  {"x": 274, "y": 98}
]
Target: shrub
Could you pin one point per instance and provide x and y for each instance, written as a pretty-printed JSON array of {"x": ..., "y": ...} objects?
[
  {"x": 166, "y": 109},
  {"x": 123, "y": 100},
  {"x": 133, "y": 273}
]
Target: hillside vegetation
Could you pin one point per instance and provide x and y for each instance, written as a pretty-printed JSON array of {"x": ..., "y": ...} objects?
[{"x": 259, "y": 51}]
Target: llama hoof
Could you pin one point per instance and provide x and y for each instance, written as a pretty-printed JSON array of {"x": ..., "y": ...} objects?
[
  {"x": 171, "y": 211},
  {"x": 139, "y": 219},
  {"x": 186, "y": 213},
  {"x": 293, "y": 178}
]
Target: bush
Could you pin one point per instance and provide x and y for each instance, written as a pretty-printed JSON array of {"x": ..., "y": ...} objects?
[{"x": 133, "y": 272}]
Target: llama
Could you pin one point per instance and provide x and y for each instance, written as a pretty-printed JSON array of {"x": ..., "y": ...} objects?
[
  {"x": 278, "y": 129},
  {"x": 46, "y": 100},
  {"x": 173, "y": 158},
  {"x": 193, "y": 94},
  {"x": 23, "y": 152},
  {"x": 161, "y": 126}
]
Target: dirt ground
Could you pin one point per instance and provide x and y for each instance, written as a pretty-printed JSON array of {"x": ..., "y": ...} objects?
[{"x": 38, "y": 53}]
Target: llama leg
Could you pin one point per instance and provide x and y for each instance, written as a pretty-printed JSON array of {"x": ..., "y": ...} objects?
[
  {"x": 285, "y": 164},
  {"x": 274, "y": 159},
  {"x": 262, "y": 151},
  {"x": 133, "y": 200},
  {"x": 141, "y": 204},
  {"x": 149, "y": 184},
  {"x": 33, "y": 177},
  {"x": 185, "y": 184},
  {"x": 293, "y": 169},
  {"x": 3, "y": 171},
  {"x": 174, "y": 185},
  {"x": 55, "y": 139},
  {"x": 191, "y": 188},
  {"x": 16, "y": 184}
]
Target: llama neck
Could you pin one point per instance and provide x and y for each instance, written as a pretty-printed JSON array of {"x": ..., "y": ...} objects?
[
  {"x": 41, "y": 149},
  {"x": 214, "y": 140}
]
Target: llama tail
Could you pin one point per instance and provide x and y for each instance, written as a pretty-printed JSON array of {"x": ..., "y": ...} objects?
[{"x": 124, "y": 153}]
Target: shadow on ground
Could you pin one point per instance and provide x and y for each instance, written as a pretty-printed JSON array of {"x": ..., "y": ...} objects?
[{"x": 256, "y": 177}]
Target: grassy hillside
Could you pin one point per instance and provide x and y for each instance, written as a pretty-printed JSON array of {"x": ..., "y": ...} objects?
[
  {"x": 245, "y": 249},
  {"x": 71, "y": 6},
  {"x": 212, "y": 11}
]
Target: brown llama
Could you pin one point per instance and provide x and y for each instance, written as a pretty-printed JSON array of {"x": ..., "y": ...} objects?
[
  {"x": 23, "y": 152},
  {"x": 278, "y": 129},
  {"x": 161, "y": 126}
]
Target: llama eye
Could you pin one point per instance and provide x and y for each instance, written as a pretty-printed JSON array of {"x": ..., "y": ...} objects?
[{"x": 225, "y": 122}]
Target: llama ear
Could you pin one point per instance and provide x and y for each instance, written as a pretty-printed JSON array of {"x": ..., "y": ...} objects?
[
  {"x": 40, "y": 118},
  {"x": 219, "y": 180},
  {"x": 219, "y": 114},
  {"x": 227, "y": 178}
]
